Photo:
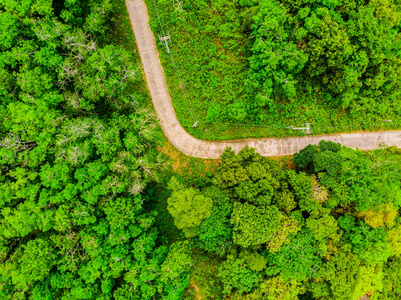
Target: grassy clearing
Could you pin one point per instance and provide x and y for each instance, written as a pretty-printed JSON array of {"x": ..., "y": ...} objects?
[
  {"x": 208, "y": 66},
  {"x": 182, "y": 164},
  {"x": 190, "y": 170},
  {"x": 179, "y": 165}
]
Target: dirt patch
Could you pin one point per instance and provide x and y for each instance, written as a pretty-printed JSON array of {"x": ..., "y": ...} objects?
[
  {"x": 181, "y": 162},
  {"x": 177, "y": 161},
  {"x": 197, "y": 290}
]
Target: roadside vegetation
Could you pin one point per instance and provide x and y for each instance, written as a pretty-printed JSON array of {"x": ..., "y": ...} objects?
[
  {"x": 95, "y": 203},
  {"x": 323, "y": 226},
  {"x": 252, "y": 68}
]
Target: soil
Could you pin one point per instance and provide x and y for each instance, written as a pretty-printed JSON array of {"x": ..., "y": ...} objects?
[{"x": 197, "y": 290}]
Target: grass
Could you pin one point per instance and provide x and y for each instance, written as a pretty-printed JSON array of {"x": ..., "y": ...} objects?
[
  {"x": 204, "y": 283},
  {"x": 190, "y": 170},
  {"x": 208, "y": 66},
  {"x": 180, "y": 165},
  {"x": 121, "y": 30}
]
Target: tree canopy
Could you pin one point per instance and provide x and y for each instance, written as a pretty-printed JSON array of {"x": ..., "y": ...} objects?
[
  {"x": 77, "y": 151},
  {"x": 281, "y": 63},
  {"x": 91, "y": 209},
  {"x": 305, "y": 233}
]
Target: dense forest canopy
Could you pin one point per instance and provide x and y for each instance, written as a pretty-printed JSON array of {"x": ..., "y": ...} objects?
[
  {"x": 327, "y": 228},
  {"x": 347, "y": 52},
  {"x": 335, "y": 64},
  {"x": 90, "y": 207},
  {"x": 77, "y": 148}
]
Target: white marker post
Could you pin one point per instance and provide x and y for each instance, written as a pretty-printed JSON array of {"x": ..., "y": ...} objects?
[
  {"x": 164, "y": 39},
  {"x": 307, "y": 128}
]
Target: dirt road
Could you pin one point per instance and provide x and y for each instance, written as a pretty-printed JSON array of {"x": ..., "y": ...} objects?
[{"x": 204, "y": 149}]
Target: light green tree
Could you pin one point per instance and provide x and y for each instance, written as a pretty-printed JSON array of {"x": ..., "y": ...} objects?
[
  {"x": 188, "y": 208},
  {"x": 254, "y": 225}
]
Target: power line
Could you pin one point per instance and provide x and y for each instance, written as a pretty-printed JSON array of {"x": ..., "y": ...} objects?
[
  {"x": 187, "y": 100},
  {"x": 315, "y": 128},
  {"x": 191, "y": 110}
]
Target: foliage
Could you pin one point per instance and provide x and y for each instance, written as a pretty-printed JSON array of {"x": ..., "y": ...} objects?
[
  {"x": 315, "y": 158},
  {"x": 276, "y": 59},
  {"x": 253, "y": 225},
  {"x": 379, "y": 217},
  {"x": 235, "y": 273},
  {"x": 188, "y": 208},
  {"x": 80, "y": 171},
  {"x": 302, "y": 185},
  {"x": 391, "y": 280},
  {"x": 175, "y": 270},
  {"x": 297, "y": 259},
  {"x": 327, "y": 48},
  {"x": 281, "y": 63},
  {"x": 77, "y": 151},
  {"x": 373, "y": 178},
  {"x": 367, "y": 180},
  {"x": 215, "y": 233},
  {"x": 369, "y": 243},
  {"x": 326, "y": 232},
  {"x": 279, "y": 288},
  {"x": 305, "y": 235},
  {"x": 248, "y": 176},
  {"x": 272, "y": 289},
  {"x": 394, "y": 240},
  {"x": 350, "y": 277},
  {"x": 288, "y": 226}
]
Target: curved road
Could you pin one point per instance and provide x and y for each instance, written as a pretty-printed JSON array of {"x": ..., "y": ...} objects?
[{"x": 191, "y": 146}]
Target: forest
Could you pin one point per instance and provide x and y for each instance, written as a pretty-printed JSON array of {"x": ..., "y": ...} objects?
[
  {"x": 95, "y": 203},
  {"x": 253, "y": 68},
  {"x": 77, "y": 150},
  {"x": 324, "y": 224}
]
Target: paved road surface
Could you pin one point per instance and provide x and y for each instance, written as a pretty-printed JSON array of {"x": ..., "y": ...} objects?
[{"x": 204, "y": 149}]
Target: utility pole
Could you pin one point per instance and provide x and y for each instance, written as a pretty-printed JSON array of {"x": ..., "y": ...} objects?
[
  {"x": 164, "y": 39},
  {"x": 180, "y": 5},
  {"x": 306, "y": 128}
]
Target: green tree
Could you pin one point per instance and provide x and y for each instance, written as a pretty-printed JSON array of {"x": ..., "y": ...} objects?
[
  {"x": 391, "y": 280},
  {"x": 276, "y": 60},
  {"x": 175, "y": 270},
  {"x": 326, "y": 232},
  {"x": 279, "y": 288},
  {"x": 188, "y": 208},
  {"x": 254, "y": 225},
  {"x": 341, "y": 50},
  {"x": 369, "y": 243},
  {"x": 215, "y": 233},
  {"x": 77, "y": 149},
  {"x": 236, "y": 274},
  {"x": 350, "y": 277},
  {"x": 288, "y": 226},
  {"x": 35, "y": 264},
  {"x": 394, "y": 240},
  {"x": 297, "y": 259},
  {"x": 248, "y": 176}
]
